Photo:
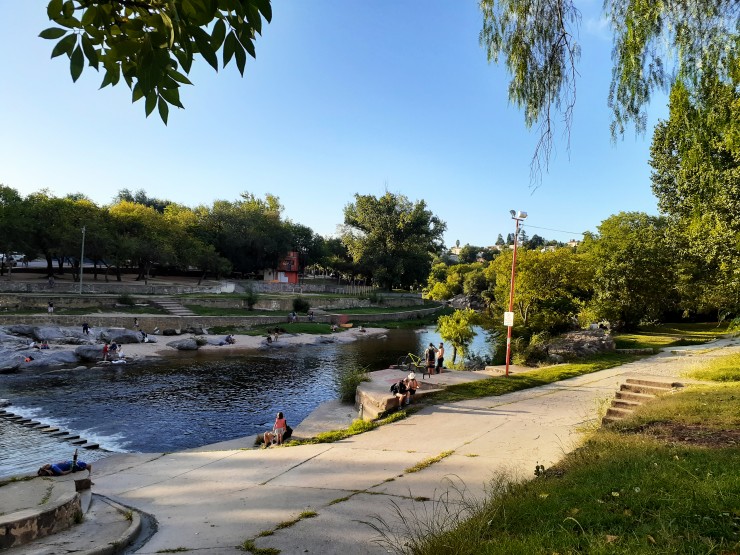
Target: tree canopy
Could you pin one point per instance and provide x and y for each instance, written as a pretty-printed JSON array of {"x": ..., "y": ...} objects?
[
  {"x": 392, "y": 239},
  {"x": 695, "y": 156},
  {"x": 152, "y": 44}
]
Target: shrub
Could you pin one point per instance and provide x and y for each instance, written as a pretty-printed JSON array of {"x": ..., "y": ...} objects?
[
  {"x": 348, "y": 382},
  {"x": 125, "y": 299},
  {"x": 301, "y": 305},
  {"x": 375, "y": 298},
  {"x": 250, "y": 298}
]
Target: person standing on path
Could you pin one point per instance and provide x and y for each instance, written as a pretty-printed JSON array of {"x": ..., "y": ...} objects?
[
  {"x": 50, "y": 308},
  {"x": 429, "y": 356},
  {"x": 85, "y": 328},
  {"x": 440, "y": 358}
]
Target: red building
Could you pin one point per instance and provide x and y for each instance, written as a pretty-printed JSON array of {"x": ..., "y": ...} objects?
[{"x": 286, "y": 271}]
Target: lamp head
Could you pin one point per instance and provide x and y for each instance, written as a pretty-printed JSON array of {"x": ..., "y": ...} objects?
[
  {"x": 521, "y": 215},
  {"x": 513, "y": 213}
]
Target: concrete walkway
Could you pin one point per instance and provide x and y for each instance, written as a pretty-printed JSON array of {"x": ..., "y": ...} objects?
[{"x": 211, "y": 500}]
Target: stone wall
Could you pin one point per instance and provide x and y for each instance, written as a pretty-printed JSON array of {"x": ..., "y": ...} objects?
[{"x": 148, "y": 322}]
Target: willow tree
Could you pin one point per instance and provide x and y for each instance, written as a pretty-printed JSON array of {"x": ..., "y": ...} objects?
[{"x": 656, "y": 44}]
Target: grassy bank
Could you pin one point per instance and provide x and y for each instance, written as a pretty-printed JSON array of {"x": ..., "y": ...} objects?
[
  {"x": 670, "y": 335},
  {"x": 664, "y": 481}
]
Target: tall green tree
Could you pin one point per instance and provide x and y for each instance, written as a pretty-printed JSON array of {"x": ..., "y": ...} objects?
[
  {"x": 551, "y": 288},
  {"x": 655, "y": 45},
  {"x": 152, "y": 44},
  {"x": 695, "y": 156},
  {"x": 392, "y": 239},
  {"x": 249, "y": 232},
  {"x": 11, "y": 225},
  {"x": 634, "y": 271}
]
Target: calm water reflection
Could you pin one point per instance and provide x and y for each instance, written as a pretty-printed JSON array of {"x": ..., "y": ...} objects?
[{"x": 189, "y": 400}]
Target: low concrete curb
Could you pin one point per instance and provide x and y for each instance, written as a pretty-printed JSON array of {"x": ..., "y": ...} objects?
[
  {"x": 117, "y": 545},
  {"x": 26, "y": 525}
]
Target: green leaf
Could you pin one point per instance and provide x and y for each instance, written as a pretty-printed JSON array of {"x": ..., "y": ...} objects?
[
  {"x": 76, "y": 64},
  {"x": 52, "y": 33},
  {"x": 65, "y": 46},
  {"x": 68, "y": 9},
  {"x": 229, "y": 47},
  {"x": 249, "y": 45},
  {"x": 88, "y": 18},
  {"x": 89, "y": 50},
  {"x": 185, "y": 57},
  {"x": 164, "y": 110},
  {"x": 137, "y": 93},
  {"x": 151, "y": 103},
  {"x": 54, "y": 9},
  {"x": 218, "y": 34},
  {"x": 172, "y": 96},
  {"x": 241, "y": 57},
  {"x": 203, "y": 42},
  {"x": 264, "y": 7},
  {"x": 179, "y": 77}
]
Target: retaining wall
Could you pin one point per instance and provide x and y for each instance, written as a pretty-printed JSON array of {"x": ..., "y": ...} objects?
[{"x": 148, "y": 322}]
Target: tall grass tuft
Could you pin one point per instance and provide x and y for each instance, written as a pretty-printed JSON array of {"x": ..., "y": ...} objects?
[{"x": 349, "y": 379}]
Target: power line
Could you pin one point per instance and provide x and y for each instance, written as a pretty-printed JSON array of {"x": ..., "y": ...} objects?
[{"x": 550, "y": 229}]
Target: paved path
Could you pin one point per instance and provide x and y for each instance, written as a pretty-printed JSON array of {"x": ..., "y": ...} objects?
[{"x": 214, "y": 500}]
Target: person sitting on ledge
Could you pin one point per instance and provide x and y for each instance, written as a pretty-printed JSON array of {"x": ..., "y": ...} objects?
[
  {"x": 64, "y": 467},
  {"x": 280, "y": 431}
]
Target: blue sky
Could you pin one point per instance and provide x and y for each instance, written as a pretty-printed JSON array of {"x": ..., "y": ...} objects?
[{"x": 344, "y": 97}]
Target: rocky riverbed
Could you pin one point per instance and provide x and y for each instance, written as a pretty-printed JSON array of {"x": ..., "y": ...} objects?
[{"x": 70, "y": 347}]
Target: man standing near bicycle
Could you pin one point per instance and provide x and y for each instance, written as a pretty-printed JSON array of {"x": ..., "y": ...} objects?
[{"x": 429, "y": 356}]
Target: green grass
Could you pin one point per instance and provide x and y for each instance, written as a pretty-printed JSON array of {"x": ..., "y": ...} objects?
[
  {"x": 426, "y": 463},
  {"x": 409, "y": 323},
  {"x": 382, "y": 309},
  {"x": 200, "y": 310},
  {"x": 501, "y": 385},
  {"x": 621, "y": 493},
  {"x": 720, "y": 369},
  {"x": 249, "y": 547},
  {"x": 315, "y": 328},
  {"x": 669, "y": 335}
]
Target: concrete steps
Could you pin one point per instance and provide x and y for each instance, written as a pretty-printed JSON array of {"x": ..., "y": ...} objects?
[
  {"x": 634, "y": 393},
  {"x": 173, "y": 307}
]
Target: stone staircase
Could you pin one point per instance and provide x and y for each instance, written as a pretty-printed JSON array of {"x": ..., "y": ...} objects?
[
  {"x": 173, "y": 307},
  {"x": 633, "y": 394}
]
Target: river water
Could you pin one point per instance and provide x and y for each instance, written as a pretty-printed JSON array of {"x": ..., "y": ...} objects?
[{"x": 186, "y": 400}]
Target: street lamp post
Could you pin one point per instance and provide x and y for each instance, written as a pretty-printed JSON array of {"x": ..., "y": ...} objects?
[
  {"x": 82, "y": 257},
  {"x": 509, "y": 316}
]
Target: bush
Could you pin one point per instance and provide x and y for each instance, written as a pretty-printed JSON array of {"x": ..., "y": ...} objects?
[
  {"x": 250, "y": 298},
  {"x": 125, "y": 299},
  {"x": 301, "y": 305},
  {"x": 375, "y": 298},
  {"x": 348, "y": 382}
]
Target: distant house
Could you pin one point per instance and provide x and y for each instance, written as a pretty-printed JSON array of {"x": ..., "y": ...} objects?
[
  {"x": 286, "y": 271},
  {"x": 573, "y": 243}
]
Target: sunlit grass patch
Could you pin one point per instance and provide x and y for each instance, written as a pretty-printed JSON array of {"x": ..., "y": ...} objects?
[
  {"x": 719, "y": 369},
  {"x": 670, "y": 335}
]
